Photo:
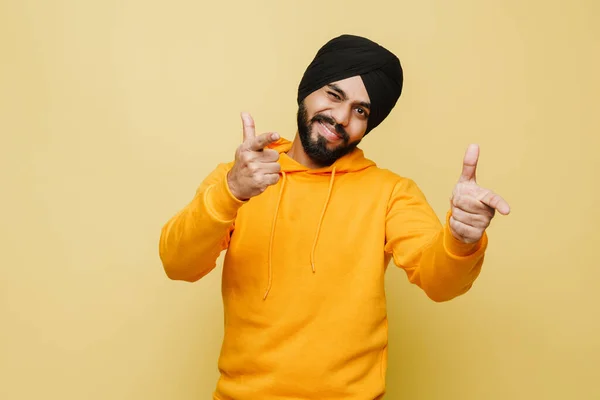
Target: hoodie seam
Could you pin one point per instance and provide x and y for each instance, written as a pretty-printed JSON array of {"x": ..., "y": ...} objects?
[
  {"x": 383, "y": 350},
  {"x": 387, "y": 210},
  {"x": 387, "y": 207}
]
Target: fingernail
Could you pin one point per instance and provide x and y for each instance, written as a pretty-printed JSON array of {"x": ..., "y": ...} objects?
[{"x": 275, "y": 136}]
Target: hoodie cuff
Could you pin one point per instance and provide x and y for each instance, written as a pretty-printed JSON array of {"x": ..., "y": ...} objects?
[
  {"x": 221, "y": 203},
  {"x": 459, "y": 249}
]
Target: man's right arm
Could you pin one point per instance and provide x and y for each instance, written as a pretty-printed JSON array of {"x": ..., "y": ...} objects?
[{"x": 192, "y": 240}]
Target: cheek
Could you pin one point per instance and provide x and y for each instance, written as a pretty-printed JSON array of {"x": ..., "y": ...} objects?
[
  {"x": 322, "y": 105},
  {"x": 356, "y": 130},
  {"x": 316, "y": 103}
]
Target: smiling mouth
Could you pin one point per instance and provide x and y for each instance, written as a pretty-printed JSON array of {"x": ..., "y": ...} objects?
[{"x": 329, "y": 132}]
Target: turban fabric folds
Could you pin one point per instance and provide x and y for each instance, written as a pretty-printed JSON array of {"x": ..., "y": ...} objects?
[{"x": 346, "y": 56}]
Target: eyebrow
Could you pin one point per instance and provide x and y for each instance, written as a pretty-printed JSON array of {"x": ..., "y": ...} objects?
[{"x": 343, "y": 95}]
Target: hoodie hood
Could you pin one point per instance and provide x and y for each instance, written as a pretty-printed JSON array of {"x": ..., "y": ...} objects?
[{"x": 352, "y": 162}]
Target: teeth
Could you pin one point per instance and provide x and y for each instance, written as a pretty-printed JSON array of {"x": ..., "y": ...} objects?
[{"x": 329, "y": 130}]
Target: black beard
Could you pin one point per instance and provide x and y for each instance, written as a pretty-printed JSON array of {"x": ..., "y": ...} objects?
[{"x": 317, "y": 149}]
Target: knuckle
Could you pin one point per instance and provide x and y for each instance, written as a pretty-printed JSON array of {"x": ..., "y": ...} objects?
[
  {"x": 260, "y": 141},
  {"x": 245, "y": 157},
  {"x": 455, "y": 224},
  {"x": 456, "y": 215},
  {"x": 455, "y": 200},
  {"x": 253, "y": 169},
  {"x": 257, "y": 179},
  {"x": 462, "y": 201}
]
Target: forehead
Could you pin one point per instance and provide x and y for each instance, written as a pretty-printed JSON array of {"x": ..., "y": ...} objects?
[{"x": 354, "y": 88}]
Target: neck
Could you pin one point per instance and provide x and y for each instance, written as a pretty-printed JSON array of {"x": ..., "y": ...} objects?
[{"x": 297, "y": 153}]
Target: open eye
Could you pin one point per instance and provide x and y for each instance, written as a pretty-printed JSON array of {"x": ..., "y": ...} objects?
[{"x": 362, "y": 112}]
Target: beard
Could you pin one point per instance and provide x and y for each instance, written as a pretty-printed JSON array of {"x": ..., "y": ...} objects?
[{"x": 316, "y": 148}]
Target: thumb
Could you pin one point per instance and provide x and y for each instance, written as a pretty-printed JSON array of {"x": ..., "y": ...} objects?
[
  {"x": 248, "y": 126},
  {"x": 470, "y": 163}
]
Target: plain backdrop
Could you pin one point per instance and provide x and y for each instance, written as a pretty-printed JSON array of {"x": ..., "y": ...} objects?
[{"x": 112, "y": 113}]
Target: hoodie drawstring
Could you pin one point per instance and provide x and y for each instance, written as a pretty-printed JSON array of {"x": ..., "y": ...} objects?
[
  {"x": 312, "y": 253},
  {"x": 272, "y": 235}
]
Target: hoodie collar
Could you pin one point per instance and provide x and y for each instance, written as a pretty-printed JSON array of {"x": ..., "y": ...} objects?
[{"x": 352, "y": 162}]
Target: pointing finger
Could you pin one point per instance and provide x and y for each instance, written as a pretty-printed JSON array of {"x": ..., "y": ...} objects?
[
  {"x": 470, "y": 163},
  {"x": 471, "y": 205},
  {"x": 497, "y": 202},
  {"x": 263, "y": 141}
]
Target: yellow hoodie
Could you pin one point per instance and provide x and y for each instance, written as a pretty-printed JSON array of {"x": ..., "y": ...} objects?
[{"x": 303, "y": 276}]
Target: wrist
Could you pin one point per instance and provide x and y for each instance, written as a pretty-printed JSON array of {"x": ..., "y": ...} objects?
[
  {"x": 459, "y": 246},
  {"x": 233, "y": 188},
  {"x": 220, "y": 202}
]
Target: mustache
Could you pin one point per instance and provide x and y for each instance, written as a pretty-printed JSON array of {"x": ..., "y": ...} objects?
[{"x": 339, "y": 129}]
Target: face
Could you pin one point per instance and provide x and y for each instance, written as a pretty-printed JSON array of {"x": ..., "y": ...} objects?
[{"x": 333, "y": 120}]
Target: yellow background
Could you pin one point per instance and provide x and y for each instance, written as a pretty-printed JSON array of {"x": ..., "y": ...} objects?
[{"x": 111, "y": 113}]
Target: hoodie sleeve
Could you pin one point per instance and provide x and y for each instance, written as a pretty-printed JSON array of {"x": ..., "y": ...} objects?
[
  {"x": 432, "y": 257},
  {"x": 192, "y": 240}
]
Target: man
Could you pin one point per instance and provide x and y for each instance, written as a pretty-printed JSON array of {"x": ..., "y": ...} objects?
[{"x": 310, "y": 227}]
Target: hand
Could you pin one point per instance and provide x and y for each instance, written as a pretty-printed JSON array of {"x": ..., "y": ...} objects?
[
  {"x": 472, "y": 206},
  {"x": 255, "y": 168}
]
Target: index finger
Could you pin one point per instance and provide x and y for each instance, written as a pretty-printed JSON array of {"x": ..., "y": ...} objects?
[
  {"x": 496, "y": 201},
  {"x": 263, "y": 141},
  {"x": 248, "y": 126}
]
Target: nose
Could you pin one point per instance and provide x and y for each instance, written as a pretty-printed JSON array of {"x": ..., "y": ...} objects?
[{"x": 341, "y": 114}]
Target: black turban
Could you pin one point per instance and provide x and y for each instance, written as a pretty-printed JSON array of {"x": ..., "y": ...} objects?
[{"x": 348, "y": 55}]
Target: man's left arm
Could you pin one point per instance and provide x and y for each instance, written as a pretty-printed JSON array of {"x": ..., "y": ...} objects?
[{"x": 442, "y": 259}]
